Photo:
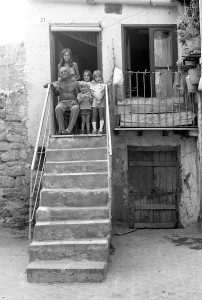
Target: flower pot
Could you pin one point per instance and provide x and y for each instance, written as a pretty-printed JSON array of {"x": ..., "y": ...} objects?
[
  {"x": 194, "y": 44},
  {"x": 194, "y": 75},
  {"x": 192, "y": 88}
]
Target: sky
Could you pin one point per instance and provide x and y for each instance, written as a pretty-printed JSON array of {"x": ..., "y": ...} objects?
[{"x": 12, "y": 21}]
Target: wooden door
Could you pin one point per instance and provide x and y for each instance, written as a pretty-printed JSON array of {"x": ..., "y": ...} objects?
[{"x": 153, "y": 188}]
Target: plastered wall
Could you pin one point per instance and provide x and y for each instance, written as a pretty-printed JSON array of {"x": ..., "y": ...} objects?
[
  {"x": 189, "y": 204},
  {"x": 42, "y": 14}
]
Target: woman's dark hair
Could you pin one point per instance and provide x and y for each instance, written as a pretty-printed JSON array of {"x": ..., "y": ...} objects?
[
  {"x": 62, "y": 61},
  {"x": 89, "y": 73}
]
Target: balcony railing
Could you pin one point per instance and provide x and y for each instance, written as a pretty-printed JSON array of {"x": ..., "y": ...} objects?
[{"x": 158, "y": 99}]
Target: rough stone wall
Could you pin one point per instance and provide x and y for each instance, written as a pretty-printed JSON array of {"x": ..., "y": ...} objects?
[
  {"x": 15, "y": 152},
  {"x": 189, "y": 202}
]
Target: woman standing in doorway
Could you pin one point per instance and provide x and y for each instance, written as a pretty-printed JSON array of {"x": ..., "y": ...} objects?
[{"x": 67, "y": 60}]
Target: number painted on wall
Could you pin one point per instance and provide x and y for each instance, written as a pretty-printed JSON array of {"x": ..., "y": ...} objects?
[{"x": 42, "y": 20}]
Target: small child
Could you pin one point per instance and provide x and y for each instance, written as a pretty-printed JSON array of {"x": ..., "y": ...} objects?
[
  {"x": 98, "y": 93},
  {"x": 85, "y": 100},
  {"x": 87, "y": 76}
]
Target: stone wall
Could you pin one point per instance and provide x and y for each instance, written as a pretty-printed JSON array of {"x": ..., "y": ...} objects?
[{"x": 15, "y": 152}]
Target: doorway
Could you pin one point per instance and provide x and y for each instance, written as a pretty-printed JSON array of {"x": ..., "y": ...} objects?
[
  {"x": 86, "y": 51},
  {"x": 153, "y": 180}
]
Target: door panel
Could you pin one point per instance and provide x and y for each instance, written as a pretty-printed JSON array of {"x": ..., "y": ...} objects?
[{"x": 153, "y": 188}]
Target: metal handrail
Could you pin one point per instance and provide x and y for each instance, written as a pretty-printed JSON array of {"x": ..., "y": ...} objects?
[
  {"x": 108, "y": 121},
  {"x": 40, "y": 127},
  {"x": 45, "y": 112},
  {"x": 109, "y": 143}
]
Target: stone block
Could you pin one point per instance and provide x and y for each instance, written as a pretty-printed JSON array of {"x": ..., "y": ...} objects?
[
  {"x": 14, "y": 138},
  {"x": 12, "y": 118},
  {"x": 16, "y": 171},
  {"x": 10, "y": 155},
  {"x": 6, "y": 181},
  {"x": 20, "y": 181},
  {"x": 23, "y": 154},
  {"x": 17, "y": 127},
  {"x": 4, "y": 146},
  {"x": 2, "y": 113},
  {"x": 15, "y": 146},
  {"x": 3, "y": 136}
]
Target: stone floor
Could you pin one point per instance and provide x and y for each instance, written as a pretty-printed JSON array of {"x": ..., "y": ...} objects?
[{"x": 146, "y": 264}]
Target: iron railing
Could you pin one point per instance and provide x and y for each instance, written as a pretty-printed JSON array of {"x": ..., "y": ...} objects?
[
  {"x": 38, "y": 161},
  {"x": 109, "y": 143},
  {"x": 156, "y": 99}
]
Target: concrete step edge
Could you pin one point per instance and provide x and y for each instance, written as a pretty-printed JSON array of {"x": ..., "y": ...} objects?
[
  {"x": 75, "y": 149},
  {"x": 77, "y": 174},
  {"x": 71, "y": 242},
  {"x": 66, "y": 264},
  {"x": 73, "y": 190},
  {"x": 77, "y": 136},
  {"x": 73, "y": 222},
  {"x": 80, "y": 208},
  {"x": 76, "y": 161}
]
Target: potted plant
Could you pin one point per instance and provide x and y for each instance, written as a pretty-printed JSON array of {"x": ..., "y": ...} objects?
[{"x": 189, "y": 26}]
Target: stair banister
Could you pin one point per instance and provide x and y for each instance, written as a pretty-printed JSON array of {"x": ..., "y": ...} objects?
[
  {"x": 109, "y": 144},
  {"x": 34, "y": 157}
]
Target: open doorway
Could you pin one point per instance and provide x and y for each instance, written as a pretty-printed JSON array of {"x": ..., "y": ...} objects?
[
  {"x": 86, "y": 51},
  {"x": 147, "y": 50},
  {"x": 83, "y": 46}
]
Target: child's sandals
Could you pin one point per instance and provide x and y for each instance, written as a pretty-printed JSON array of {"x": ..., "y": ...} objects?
[
  {"x": 100, "y": 132},
  {"x": 94, "y": 132}
]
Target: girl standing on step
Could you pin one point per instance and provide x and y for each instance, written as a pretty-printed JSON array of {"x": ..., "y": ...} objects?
[
  {"x": 98, "y": 93},
  {"x": 85, "y": 100},
  {"x": 67, "y": 61}
]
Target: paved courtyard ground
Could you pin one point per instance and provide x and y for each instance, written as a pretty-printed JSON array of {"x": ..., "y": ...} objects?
[{"x": 146, "y": 265}]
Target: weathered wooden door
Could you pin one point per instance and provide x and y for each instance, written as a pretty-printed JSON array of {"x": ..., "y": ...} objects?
[{"x": 153, "y": 187}]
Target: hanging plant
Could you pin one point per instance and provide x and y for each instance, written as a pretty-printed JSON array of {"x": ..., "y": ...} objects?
[{"x": 189, "y": 23}]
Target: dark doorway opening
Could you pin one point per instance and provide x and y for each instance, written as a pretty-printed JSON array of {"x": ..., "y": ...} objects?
[{"x": 86, "y": 51}]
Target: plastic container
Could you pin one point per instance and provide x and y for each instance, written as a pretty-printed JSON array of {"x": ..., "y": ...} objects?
[
  {"x": 194, "y": 75},
  {"x": 192, "y": 88}
]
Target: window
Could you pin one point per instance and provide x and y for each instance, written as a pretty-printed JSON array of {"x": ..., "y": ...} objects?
[{"x": 149, "y": 49}]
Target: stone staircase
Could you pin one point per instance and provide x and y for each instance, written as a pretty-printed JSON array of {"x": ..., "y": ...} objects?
[{"x": 73, "y": 221}]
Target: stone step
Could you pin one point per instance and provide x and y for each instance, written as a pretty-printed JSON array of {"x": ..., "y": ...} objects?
[
  {"x": 74, "y": 197},
  {"x": 78, "y": 141},
  {"x": 66, "y": 271},
  {"x": 76, "y": 154},
  {"x": 76, "y": 180},
  {"x": 44, "y": 213},
  {"x": 91, "y": 249},
  {"x": 74, "y": 229},
  {"x": 76, "y": 166}
]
